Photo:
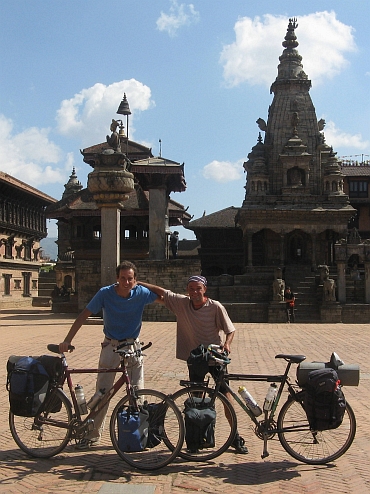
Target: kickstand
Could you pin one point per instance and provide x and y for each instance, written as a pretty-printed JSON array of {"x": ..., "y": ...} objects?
[{"x": 265, "y": 453}]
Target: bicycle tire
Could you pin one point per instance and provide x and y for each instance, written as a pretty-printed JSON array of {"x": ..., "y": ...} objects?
[
  {"x": 313, "y": 447},
  {"x": 224, "y": 430},
  {"x": 43, "y": 440},
  {"x": 169, "y": 431}
]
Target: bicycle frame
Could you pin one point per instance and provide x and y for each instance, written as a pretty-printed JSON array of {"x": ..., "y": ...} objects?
[
  {"x": 82, "y": 424},
  {"x": 266, "y": 428}
]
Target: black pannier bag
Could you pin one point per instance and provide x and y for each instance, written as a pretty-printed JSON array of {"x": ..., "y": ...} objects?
[
  {"x": 324, "y": 400},
  {"x": 157, "y": 413},
  {"x": 54, "y": 368},
  {"x": 27, "y": 383},
  {"x": 200, "y": 420}
]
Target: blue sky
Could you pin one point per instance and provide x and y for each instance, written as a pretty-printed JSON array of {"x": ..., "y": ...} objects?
[{"x": 197, "y": 76}]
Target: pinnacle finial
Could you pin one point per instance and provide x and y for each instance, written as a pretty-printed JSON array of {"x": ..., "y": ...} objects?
[{"x": 290, "y": 37}]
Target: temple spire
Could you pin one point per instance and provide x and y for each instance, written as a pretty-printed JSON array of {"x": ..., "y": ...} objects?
[
  {"x": 73, "y": 185},
  {"x": 290, "y": 67}
]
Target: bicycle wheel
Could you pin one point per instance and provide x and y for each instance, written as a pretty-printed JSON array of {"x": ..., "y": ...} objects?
[
  {"x": 224, "y": 427},
  {"x": 39, "y": 439},
  {"x": 313, "y": 447},
  {"x": 163, "y": 434}
]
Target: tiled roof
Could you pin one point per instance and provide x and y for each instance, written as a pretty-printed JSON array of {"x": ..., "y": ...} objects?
[
  {"x": 356, "y": 171},
  {"x": 28, "y": 189},
  {"x": 82, "y": 201},
  {"x": 220, "y": 219}
]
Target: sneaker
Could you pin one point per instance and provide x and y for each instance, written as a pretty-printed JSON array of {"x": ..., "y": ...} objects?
[
  {"x": 238, "y": 444},
  {"x": 86, "y": 443}
]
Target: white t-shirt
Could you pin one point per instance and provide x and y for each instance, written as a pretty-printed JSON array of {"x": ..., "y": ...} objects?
[{"x": 196, "y": 326}]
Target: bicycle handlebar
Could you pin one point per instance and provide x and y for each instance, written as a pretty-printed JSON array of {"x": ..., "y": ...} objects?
[
  {"x": 55, "y": 348},
  {"x": 218, "y": 354},
  {"x": 129, "y": 353}
]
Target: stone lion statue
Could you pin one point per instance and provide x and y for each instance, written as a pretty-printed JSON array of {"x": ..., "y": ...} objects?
[
  {"x": 329, "y": 290},
  {"x": 278, "y": 287}
]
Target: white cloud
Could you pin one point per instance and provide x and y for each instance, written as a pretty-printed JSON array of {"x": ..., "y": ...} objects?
[
  {"x": 223, "y": 171},
  {"x": 29, "y": 155},
  {"x": 254, "y": 55},
  {"x": 88, "y": 115},
  {"x": 179, "y": 16},
  {"x": 338, "y": 139}
]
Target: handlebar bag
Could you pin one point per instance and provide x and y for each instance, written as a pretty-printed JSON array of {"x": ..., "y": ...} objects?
[
  {"x": 132, "y": 430},
  {"x": 198, "y": 360},
  {"x": 27, "y": 383},
  {"x": 324, "y": 400}
]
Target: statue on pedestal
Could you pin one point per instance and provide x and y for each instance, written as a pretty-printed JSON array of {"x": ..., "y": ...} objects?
[{"x": 278, "y": 286}]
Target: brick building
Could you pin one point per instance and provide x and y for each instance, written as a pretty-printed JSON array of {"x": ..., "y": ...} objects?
[{"x": 22, "y": 226}]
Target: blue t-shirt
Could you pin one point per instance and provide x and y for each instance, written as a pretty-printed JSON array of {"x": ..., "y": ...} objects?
[{"x": 122, "y": 316}]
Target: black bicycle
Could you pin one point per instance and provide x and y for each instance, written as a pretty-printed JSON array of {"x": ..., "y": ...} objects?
[{"x": 291, "y": 427}]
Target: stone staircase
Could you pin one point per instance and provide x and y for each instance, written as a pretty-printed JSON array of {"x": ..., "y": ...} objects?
[
  {"x": 46, "y": 284},
  {"x": 302, "y": 281}
]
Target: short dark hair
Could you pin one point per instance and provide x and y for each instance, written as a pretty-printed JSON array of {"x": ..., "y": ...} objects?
[{"x": 126, "y": 265}]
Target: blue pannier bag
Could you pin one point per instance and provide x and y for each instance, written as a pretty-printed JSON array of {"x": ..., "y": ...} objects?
[
  {"x": 132, "y": 430},
  {"x": 27, "y": 383}
]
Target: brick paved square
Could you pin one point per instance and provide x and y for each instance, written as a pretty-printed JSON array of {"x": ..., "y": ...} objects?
[{"x": 254, "y": 348}]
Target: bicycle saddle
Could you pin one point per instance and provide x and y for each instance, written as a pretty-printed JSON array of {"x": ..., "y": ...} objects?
[{"x": 293, "y": 359}]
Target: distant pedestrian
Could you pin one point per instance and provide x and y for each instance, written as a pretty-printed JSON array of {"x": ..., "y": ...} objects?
[
  {"x": 289, "y": 300},
  {"x": 174, "y": 243}
]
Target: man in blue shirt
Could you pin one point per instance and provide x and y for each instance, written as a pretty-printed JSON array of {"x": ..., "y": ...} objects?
[{"x": 122, "y": 304}]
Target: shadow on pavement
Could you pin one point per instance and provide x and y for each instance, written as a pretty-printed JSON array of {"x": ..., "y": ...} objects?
[{"x": 76, "y": 466}]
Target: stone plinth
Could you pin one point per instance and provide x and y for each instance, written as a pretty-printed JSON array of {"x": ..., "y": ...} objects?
[
  {"x": 331, "y": 312},
  {"x": 277, "y": 312}
]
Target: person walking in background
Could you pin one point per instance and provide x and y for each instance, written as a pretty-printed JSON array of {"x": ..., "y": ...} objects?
[
  {"x": 174, "y": 243},
  {"x": 122, "y": 304},
  {"x": 200, "y": 320},
  {"x": 289, "y": 300}
]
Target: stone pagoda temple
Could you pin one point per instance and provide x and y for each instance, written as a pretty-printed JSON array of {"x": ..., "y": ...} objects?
[
  {"x": 295, "y": 208},
  {"x": 295, "y": 213}
]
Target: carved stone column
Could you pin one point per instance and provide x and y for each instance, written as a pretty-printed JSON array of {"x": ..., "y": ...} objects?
[
  {"x": 367, "y": 282},
  {"x": 250, "y": 248},
  {"x": 109, "y": 183},
  {"x": 158, "y": 205},
  {"x": 313, "y": 237},
  {"x": 282, "y": 257},
  {"x": 341, "y": 270}
]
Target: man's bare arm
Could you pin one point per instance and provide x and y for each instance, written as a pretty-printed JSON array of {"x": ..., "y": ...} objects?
[
  {"x": 229, "y": 339},
  {"x": 158, "y": 290},
  {"x": 80, "y": 319}
]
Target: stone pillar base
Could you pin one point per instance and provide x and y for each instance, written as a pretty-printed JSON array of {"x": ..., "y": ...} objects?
[
  {"x": 331, "y": 312},
  {"x": 276, "y": 312}
]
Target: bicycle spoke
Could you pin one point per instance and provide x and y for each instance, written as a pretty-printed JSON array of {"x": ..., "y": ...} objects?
[
  {"x": 162, "y": 437},
  {"x": 313, "y": 447}
]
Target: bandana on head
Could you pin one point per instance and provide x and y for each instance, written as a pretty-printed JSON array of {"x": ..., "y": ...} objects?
[{"x": 198, "y": 279}]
